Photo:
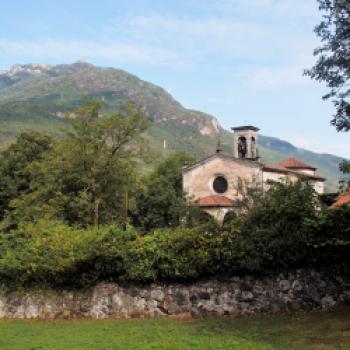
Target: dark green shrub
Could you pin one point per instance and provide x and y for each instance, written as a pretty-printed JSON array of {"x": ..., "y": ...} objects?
[
  {"x": 331, "y": 241},
  {"x": 162, "y": 202},
  {"x": 274, "y": 234},
  {"x": 15, "y": 176},
  {"x": 197, "y": 216}
]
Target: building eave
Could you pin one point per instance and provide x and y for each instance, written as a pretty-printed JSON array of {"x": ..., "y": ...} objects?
[
  {"x": 245, "y": 127},
  {"x": 215, "y": 201}
]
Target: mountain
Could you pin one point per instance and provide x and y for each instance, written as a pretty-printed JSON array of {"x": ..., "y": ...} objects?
[{"x": 35, "y": 96}]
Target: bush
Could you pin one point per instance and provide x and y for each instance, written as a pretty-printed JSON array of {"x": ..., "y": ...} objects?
[
  {"x": 274, "y": 234},
  {"x": 53, "y": 253},
  {"x": 331, "y": 241}
]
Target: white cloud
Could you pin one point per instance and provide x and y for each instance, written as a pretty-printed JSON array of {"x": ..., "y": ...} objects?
[
  {"x": 75, "y": 49},
  {"x": 252, "y": 49},
  {"x": 180, "y": 41},
  {"x": 198, "y": 37},
  {"x": 275, "y": 77},
  {"x": 154, "y": 40},
  {"x": 214, "y": 26},
  {"x": 267, "y": 38}
]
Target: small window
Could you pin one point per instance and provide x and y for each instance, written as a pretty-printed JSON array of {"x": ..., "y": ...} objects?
[{"x": 220, "y": 184}]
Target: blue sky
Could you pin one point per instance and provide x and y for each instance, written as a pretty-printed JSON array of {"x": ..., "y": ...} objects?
[{"x": 239, "y": 60}]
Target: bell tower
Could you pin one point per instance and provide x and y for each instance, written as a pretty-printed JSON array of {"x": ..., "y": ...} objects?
[{"x": 245, "y": 142}]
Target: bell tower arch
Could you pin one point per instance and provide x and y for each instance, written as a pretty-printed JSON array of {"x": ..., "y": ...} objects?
[{"x": 245, "y": 142}]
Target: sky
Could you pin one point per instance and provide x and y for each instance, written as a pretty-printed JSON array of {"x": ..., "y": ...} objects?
[{"x": 239, "y": 60}]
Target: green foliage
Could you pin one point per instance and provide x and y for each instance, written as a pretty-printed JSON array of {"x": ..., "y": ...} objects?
[
  {"x": 333, "y": 64},
  {"x": 83, "y": 180},
  {"x": 53, "y": 253},
  {"x": 331, "y": 240},
  {"x": 275, "y": 232},
  {"x": 15, "y": 177},
  {"x": 344, "y": 183},
  {"x": 196, "y": 216},
  {"x": 49, "y": 252},
  {"x": 162, "y": 202},
  {"x": 333, "y": 61},
  {"x": 284, "y": 230},
  {"x": 180, "y": 254}
]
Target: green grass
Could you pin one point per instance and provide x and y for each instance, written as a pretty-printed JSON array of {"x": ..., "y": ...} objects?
[{"x": 315, "y": 330}]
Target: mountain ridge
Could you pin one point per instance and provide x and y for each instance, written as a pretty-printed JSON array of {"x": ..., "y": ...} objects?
[{"x": 35, "y": 96}]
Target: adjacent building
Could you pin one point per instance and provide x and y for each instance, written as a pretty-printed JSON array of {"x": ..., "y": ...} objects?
[{"x": 342, "y": 200}]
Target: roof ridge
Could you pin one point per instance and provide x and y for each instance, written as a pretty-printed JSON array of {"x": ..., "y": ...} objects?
[
  {"x": 280, "y": 168},
  {"x": 292, "y": 162}
]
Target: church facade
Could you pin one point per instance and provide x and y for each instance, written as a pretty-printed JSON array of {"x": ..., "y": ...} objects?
[{"x": 218, "y": 182}]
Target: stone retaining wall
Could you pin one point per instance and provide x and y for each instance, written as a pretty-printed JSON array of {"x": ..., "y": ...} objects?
[{"x": 300, "y": 290}]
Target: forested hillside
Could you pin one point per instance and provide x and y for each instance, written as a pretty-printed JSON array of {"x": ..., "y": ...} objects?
[{"x": 36, "y": 97}]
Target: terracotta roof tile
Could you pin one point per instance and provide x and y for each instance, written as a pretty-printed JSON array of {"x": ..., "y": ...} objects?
[
  {"x": 280, "y": 169},
  {"x": 215, "y": 201},
  {"x": 276, "y": 167},
  {"x": 343, "y": 199},
  {"x": 291, "y": 163}
]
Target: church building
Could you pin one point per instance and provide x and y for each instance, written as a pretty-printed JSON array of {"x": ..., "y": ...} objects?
[{"x": 218, "y": 182}]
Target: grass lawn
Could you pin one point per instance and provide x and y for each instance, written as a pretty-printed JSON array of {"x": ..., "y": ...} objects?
[{"x": 315, "y": 330}]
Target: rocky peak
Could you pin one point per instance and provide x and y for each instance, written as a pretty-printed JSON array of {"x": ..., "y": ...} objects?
[
  {"x": 26, "y": 68},
  {"x": 83, "y": 63},
  {"x": 211, "y": 127}
]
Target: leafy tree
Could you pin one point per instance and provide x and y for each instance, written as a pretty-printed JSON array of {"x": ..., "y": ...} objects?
[
  {"x": 333, "y": 64},
  {"x": 345, "y": 182},
  {"x": 85, "y": 177},
  {"x": 274, "y": 233},
  {"x": 162, "y": 202},
  {"x": 15, "y": 177},
  {"x": 331, "y": 242}
]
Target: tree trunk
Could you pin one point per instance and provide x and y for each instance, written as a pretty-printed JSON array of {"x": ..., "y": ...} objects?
[
  {"x": 126, "y": 208},
  {"x": 96, "y": 214}
]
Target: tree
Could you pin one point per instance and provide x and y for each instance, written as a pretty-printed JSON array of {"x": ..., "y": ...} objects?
[
  {"x": 275, "y": 231},
  {"x": 333, "y": 64},
  {"x": 162, "y": 202},
  {"x": 344, "y": 184},
  {"x": 85, "y": 177},
  {"x": 15, "y": 177}
]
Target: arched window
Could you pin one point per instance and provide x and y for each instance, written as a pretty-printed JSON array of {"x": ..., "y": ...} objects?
[
  {"x": 230, "y": 215},
  {"x": 253, "y": 148},
  {"x": 242, "y": 147}
]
